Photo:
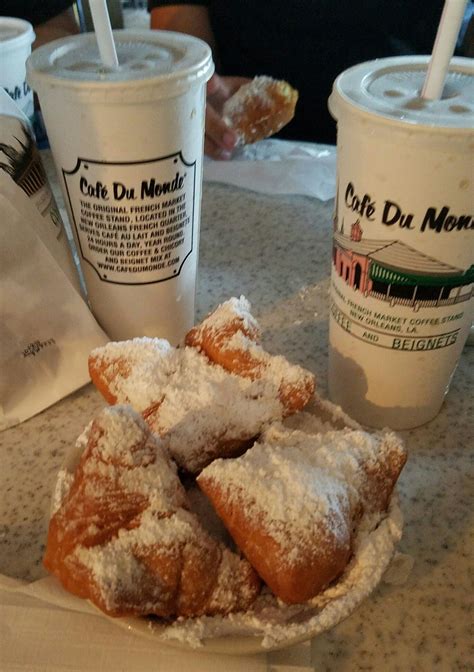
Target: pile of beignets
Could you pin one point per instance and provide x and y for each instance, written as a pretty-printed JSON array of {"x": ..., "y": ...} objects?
[{"x": 124, "y": 535}]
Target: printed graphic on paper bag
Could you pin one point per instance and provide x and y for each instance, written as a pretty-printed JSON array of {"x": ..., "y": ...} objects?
[
  {"x": 384, "y": 288},
  {"x": 20, "y": 159},
  {"x": 134, "y": 220}
]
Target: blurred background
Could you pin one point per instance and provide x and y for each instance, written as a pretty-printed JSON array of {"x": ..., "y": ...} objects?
[{"x": 134, "y": 14}]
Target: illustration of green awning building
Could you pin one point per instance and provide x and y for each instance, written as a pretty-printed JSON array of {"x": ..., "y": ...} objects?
[{"x": 392, "y": 271}]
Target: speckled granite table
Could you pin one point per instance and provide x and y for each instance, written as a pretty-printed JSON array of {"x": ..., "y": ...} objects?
[{"x": 276, "y": 251}]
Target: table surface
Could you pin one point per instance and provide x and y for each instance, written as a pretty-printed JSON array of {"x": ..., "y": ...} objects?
[{"x": 275, "y": 250}]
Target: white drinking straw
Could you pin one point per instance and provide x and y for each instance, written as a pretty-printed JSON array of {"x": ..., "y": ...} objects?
[
  {"x": 443, "y": 49},
  {"x": 103, "y": 32}
]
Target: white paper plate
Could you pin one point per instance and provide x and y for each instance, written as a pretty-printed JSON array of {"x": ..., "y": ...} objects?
[
  {"x": 269, "y": 625},
  {"x": 336, "y": 603}
]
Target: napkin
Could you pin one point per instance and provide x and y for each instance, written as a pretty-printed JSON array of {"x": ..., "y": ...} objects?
[
  {"x": 43, "y": 628},
  {"x": 279, "y": 167}
]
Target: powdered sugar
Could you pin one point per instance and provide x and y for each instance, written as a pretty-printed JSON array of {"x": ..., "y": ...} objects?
[
  {"x": 204, "y": 406},
  {"x": 260, "y": 108},
  {"x": 114, "y": 565},
  {"x": 130, "y": 533},
  {"x": 128, "y": 456},
  {"x": 200, "y": 402},
  {"x": 295, "y": 483},
  {"x": 259, "y": 94},
  {"x": 273, "y": 367},
  {"x": 257, "y": 88},
  {"x": 120, "y": 571},
  {"x": 319, "y": 417},
  {"x": 62, "y": 486},
  {"x": 228, "y": 311},
  {"x": 279, "y": 625},
  {"x": 229, "y": 337},
  {"x": 272, "y": 624},
  {"x": 124, "y": 439},
  {"x": 201, "y": 406},
  {"x": 138, "y": 369},
  {"x": 65, "y": 475},
  {"x": 225, "y": 590}
]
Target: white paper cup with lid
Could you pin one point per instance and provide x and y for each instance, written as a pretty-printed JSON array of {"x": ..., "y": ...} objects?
[
  {"x": 403, "y": 246},
  {"x": 16, "y": 38},
  {"x": 128, "y": 147}
]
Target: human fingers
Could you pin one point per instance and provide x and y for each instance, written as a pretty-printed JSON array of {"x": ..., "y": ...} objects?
[
  {"x": 220, "y": 88},
  {"x": 233, "y": 84},
  {"x": 214, "y": 85},
  {"x": 214, "y": 151},
  {"x": 217, "y": 130}
]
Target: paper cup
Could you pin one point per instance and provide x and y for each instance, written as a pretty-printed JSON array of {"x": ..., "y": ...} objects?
[
  {"x": 128, "y": 147},
  {"x": 403, "y": 253},
  {"x": 16, "y": 38}
]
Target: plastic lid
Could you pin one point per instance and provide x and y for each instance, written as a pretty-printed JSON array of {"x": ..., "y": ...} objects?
[
  {"x": 390, "y": 89},
  {"x": 147, "y": 59},
  {"x": 14, "y": 33}
]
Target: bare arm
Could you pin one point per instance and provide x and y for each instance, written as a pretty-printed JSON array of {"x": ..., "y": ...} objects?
[
  {"x": 190, "y": 19},
  {"x": 59, "y": 26},
  {"x": 194, "y": 20}
]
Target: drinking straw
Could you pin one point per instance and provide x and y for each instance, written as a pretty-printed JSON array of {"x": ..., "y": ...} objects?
[
  {"x": 103, "y": 33},
  {"x": 443, "y": 48}
]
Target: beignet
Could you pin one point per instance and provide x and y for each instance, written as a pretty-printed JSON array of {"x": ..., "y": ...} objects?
[
  {"x": 123, "y": 538},
  {"x": 292, "y": 502},
  {"x": 260, "y": 109},
  {"x": 211, "y": 398},
  {"x": 230, "y": 336}
]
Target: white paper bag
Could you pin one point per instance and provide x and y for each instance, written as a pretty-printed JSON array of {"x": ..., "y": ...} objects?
[
  {"x": 23, "y": 180},
  {"x": 46, "y": 328}
]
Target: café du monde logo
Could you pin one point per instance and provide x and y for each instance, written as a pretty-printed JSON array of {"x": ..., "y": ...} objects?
[{"x": 391, "y": 271}]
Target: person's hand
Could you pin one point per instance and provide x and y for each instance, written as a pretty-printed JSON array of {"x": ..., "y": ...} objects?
[{"x": 220, "y": 140}]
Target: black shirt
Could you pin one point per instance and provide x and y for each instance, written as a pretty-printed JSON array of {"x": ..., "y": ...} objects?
[
  {"x": 34, "y": 11},
  {"x": 309, "y": 42}
]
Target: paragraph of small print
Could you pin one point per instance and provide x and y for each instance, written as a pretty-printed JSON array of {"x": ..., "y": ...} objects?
[{"x": 134, "y": 222}]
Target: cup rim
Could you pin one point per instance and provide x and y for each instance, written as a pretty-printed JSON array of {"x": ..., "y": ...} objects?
[
  {"x": 27, "y": 36},
  {"x": 350, "y": 94},
  {"x": 197, "y": 66}
]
